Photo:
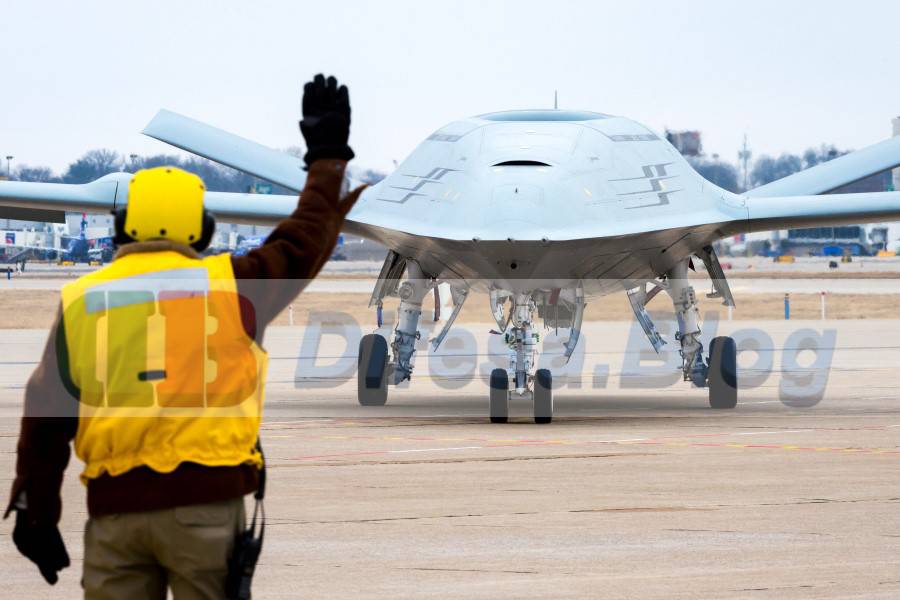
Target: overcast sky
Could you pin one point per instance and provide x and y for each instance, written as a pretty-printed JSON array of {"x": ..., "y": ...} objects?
[{"x": 89, "y": 74}]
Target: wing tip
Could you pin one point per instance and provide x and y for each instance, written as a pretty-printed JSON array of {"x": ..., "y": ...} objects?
[{"x": 161, "y": 119}]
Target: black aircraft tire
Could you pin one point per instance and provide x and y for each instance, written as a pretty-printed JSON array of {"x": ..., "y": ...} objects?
[
  {"x": 371, "y": 375},
  {"x": 722, "y": 379},
  {"x": 543, "y": 396},
  {"x": 499, "y": 402}
]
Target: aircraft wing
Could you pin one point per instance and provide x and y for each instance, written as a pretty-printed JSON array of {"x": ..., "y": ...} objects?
[
  {"x": 792, "y": 201},
  {"x": 96, "y": 196},
  {"x": 835, "y": 173},
  {"x": 110, "y": 192},
  {"x": 228, "y": 149},
  {"x": 251, "y": 158},
  {"x": 764, "y": 214}
]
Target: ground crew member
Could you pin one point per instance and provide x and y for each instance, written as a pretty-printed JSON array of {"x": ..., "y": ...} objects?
[{"x": 165, "y": 493}]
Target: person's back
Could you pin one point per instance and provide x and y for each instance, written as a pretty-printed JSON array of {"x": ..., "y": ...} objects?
[{"x": 165, "y": 371}]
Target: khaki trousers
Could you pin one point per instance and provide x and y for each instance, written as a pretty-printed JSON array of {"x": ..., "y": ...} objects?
[{"x": 137, "y": 555}]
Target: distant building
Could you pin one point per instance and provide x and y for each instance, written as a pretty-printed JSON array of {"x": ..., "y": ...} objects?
[
  {"x": 817, "y": 241},
  {"x": 688, "y": 143}
]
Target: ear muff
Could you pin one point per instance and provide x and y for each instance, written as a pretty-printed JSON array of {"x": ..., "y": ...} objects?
[
  {"x": 120, "y": 238},
  {"x": 206, "y": 234}
]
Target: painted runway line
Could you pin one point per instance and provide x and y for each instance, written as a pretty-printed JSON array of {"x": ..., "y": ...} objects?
[
  {"x": 304, "y": 429},
  {"x": 684, "y": 442}
]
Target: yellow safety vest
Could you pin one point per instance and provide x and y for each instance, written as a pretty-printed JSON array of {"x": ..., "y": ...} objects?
[{"x": 165, "y": 370}]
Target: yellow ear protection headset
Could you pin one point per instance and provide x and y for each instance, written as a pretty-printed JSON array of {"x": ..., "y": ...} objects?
[{"x": 165, "y": 203}]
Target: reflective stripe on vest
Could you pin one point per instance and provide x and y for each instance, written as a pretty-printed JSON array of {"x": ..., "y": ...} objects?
[{"x": 165, "y": 370}]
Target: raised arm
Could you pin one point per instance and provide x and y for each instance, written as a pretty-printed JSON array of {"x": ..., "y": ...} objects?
[{"x": 271, "y": 276}]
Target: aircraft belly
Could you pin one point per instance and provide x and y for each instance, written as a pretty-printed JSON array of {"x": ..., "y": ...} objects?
[{"x": 608, "y": 265}]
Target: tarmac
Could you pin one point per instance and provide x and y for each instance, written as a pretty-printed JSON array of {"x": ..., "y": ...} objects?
[
  {"x": 763, "y": 285},
  {"x": 636, "y": 490}
]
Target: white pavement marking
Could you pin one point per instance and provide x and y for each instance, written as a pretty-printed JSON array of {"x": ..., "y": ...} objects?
[
  {"x": 437, "y": 449},
  {"x": 770, "y": 432},
  {"x": 297, "y": 421}
]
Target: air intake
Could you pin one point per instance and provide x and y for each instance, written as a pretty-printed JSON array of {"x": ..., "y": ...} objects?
[{"x": 522, "y": 163}]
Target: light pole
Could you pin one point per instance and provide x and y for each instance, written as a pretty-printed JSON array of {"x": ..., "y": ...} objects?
[
  {"x": 9, "y": 176},
  {"x": 744, "y": 156}
]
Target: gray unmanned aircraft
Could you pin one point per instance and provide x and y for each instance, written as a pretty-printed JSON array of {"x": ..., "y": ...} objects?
[{"x": 542, "y": 210}]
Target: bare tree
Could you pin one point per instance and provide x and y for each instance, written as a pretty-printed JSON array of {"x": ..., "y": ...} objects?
[
  {"x": 824, "y": 153},
  {"x": 768, "y": 169},
  {"x": 720, "y": 173},
  {"x": 36, "y": 174},
  {"x": 93, "y": 165}
]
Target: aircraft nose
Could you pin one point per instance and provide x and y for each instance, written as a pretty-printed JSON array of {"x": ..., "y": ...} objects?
[{"x": 512, "y": 205}]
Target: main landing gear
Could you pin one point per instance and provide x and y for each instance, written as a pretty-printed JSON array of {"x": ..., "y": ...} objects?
[
  {"x": 376, "y": 371},
  {"x": 719, "y": 372}
]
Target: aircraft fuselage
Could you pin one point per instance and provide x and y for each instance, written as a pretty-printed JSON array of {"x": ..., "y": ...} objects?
[{"x": 515, "y": 197}]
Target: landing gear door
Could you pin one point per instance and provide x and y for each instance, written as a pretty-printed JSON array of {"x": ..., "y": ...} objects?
[
  {"x": 389, "y": 278},
  {"x": 716, "y": 275}
]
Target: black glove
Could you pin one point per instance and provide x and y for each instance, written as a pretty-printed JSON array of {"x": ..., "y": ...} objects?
[
  {"x": 42, "y": 544},
  {"x": 326, "y": 120}
]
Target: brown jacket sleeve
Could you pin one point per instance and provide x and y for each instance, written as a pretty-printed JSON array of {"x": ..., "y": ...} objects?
[
  {"x": 271, "y": 276},
  {"x": 49, "y": 423}
]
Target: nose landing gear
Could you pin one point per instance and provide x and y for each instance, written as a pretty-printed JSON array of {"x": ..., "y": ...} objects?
[
  {"x": 535, "y": 386},
  {"x": 541, "y": 396}
]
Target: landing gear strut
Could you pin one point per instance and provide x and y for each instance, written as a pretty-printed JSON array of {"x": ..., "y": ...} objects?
[
  {"x": 375, "y": 371},
  {"x": 720, "y": 373},
  {"x": 412, "y": 292}
]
